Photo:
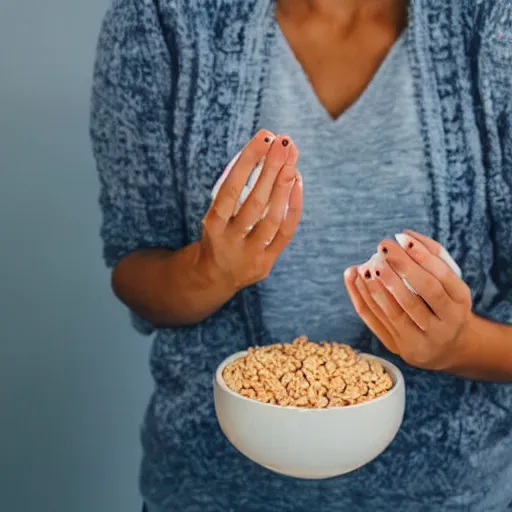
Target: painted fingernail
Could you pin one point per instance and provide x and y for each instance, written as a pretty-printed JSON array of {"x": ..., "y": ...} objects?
[
  {"x": 285, "y": 142},
  {"x": 411, "y": 245},
  {"x": 267, "y": 139},
  {"x": 385, "y": 250},
  {"x": 367, "y": 274},
  {"x": 377, "y": 273}
]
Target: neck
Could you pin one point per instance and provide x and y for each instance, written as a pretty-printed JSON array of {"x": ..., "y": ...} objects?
[{"x": 346, "y": 11}]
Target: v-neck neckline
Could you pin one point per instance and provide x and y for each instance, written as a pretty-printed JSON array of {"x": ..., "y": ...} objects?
[{"x": 367, "y": 94}]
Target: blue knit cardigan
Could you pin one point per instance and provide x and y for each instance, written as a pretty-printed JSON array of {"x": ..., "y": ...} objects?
[{"x": 177, "y": 88}]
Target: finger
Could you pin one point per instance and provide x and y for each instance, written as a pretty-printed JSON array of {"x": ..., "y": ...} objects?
[
  {"x": 430, "y": 277},
  {"x": 370, "y": 295},
  {"x": 290, "y": 221},
  {"x": 226, "y": 202},
  {"x": 413, "y": 305},
  {"x": 435, "y": 248},
  {"x": 354, "y": 284},
  {"x": 267, "y": 228},
  {"x": 432, "y": 245},
  {"x": 437, "y": 264},
  {"x": 374, "y": 296},
  {"x": 282, "y": 157}
]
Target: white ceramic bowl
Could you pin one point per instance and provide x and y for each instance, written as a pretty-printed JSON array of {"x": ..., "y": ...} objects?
[{"x": 310, "y": 443}]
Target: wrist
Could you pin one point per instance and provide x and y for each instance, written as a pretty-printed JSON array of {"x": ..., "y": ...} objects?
[
  {"x": 208, "y": 275},
  {"x": 483, "y": 351},
  {"x": 468, "y": 349}
]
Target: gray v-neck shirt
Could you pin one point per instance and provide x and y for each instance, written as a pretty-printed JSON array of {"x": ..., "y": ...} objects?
[{"x": 364, "y": 180}]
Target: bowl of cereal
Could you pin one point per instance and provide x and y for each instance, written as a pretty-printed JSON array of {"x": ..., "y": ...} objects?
[{"x": 309, "y": 410}]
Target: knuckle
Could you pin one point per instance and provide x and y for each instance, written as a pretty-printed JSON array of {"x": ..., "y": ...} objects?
[
  {"x": 220, "y": 211},
  {"x": 257, "y": 203},
  {"x": 437, "y": 291},
  {"x": 293, "y": 211},
  {"x": 232, "y": 194},
  {"x": 264, "y": 269},
  {"x": 286, "y": 231},
  {"x": 467, "y": 297},
  {"x": 206, "y": 225},
  {"x": 273, "y": 220},
  {"x": 286, "y": 178}
]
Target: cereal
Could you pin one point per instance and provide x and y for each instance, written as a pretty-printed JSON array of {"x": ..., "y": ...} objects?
[{"x": 307, "y": 374}]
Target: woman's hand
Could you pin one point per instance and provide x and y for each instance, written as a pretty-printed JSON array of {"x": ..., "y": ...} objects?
[
  {"x": 428, "y": 329},
  {"x": 240, "y": 250}
]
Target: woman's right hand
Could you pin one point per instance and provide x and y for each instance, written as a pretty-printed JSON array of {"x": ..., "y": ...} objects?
[{"x": 238, "y": 251}]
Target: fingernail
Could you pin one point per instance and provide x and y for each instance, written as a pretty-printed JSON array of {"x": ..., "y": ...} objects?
[
  {"x": 349, "y": 273},
  {"x": 385, "y": 250},
  {"x": 267, "y": 139},
  {"x": 299, "y": 179},
  {"x": 285, "y": 142},
  {"x": 367, "y": 274},
  {"x": 286, "y": 208}
]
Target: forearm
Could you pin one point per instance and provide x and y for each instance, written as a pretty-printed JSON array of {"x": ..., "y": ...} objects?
[
  {"x": 486, "y": 352},
  {"x": 169, "y": 288}
]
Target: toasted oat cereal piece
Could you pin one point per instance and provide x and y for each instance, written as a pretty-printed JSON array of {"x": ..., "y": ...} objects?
[{"x": 307, "y": 374}]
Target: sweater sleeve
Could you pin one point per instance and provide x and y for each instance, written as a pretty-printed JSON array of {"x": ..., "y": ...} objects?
[
  {"x": 501, "y": 208},
  {"x": 129, "y": 127},
  {"x": 500, "y": 182}
]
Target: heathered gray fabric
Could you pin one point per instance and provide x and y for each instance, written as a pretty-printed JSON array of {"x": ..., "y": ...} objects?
[{"x": 364, "y": 179}]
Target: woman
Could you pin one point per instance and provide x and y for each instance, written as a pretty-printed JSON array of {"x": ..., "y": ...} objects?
[{"x": 403, "y": 116}]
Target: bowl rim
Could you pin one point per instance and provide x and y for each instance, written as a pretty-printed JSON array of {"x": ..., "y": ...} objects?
[{"x": 396, "y": 376}]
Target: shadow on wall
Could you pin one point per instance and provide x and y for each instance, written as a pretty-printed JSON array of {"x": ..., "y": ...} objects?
[{"x": 73, "y": 377}]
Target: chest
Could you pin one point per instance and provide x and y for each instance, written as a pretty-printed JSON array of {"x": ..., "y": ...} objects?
[
  {"x": 339, "y": 67},
  {"x": 225, "y": 98}
]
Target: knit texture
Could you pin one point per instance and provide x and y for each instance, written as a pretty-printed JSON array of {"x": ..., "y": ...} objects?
[
  {"x": 364, "y": 180},
  {"x": 177, "y": 91}
]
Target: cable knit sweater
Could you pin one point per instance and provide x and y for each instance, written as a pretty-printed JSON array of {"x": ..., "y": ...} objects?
[{"x": 177, "y": 89}]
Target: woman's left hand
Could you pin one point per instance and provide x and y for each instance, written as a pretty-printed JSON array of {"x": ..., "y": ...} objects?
[{"x": 428, "y": 329}]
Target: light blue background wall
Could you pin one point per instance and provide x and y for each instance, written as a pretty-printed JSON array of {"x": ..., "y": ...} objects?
[{"x": 73, "y": 375}]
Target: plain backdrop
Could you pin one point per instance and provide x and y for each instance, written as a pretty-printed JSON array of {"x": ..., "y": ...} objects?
[{"x": 73, "y": 374}]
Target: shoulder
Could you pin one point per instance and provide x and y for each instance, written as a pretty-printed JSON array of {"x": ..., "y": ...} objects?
[
  {"x": 183, "y": 20},
  {"x": 491, "y": 22},
  {"x": 494, "y": 31},
  {"x": 208, "y": 13}
]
